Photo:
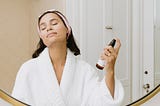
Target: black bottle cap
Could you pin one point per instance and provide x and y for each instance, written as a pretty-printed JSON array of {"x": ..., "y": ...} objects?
[{"x": 112, "y": 43}]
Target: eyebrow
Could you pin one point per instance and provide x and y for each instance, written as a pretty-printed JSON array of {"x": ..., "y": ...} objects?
[
  {"x": 43, "y": 23},
  {"x": 53, "y": 20}
]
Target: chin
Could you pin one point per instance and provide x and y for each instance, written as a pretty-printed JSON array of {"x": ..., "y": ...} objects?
[{"x": 50, "y": 43}]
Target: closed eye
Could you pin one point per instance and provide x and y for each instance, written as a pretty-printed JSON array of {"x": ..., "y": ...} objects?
[
  {"x": 54, "y": 23},
  {"x": 42, "y": 28}
]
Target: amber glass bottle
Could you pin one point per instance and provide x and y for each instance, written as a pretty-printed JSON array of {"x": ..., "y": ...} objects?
[{"x": 101, "y": 63}]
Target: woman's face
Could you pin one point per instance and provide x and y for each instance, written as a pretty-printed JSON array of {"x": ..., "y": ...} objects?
[{"x": 52, "y": 30}]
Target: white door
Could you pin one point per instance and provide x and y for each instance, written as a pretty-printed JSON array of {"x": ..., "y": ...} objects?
[
  {"x": 146, "y": 58},
  {"x": 118, "y": 16},
  {"x": 148, "y": 45},
  {"x": 157, "y": 43},
  {"x": 142, "y": 47},
  {"x": 95, "y": 23}
]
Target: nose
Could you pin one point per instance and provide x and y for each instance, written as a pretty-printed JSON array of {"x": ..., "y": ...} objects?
[{"x": 49, "y": 28}]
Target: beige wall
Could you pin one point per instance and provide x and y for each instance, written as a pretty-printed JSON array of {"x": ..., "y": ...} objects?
[{"x": 18, "y": 34}]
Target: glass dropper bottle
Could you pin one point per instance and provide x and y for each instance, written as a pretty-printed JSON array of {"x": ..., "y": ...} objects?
[{"x": 101, "y": 63}]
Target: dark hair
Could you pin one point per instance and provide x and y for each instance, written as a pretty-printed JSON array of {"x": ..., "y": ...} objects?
[{"x": 71, "y": 44}]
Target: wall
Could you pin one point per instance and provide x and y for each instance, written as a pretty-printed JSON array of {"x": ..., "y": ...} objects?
[
  {"x": 18, "y": 34},
  {"x": 14, "y": 38}
]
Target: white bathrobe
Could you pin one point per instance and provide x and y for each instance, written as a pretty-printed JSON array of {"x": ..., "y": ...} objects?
[{"x": 37, "y": 85}]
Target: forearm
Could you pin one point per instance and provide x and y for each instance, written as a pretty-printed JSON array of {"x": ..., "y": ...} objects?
[
  {"x": 110, "y": 81},
  {"x": 110, "y": 55}
]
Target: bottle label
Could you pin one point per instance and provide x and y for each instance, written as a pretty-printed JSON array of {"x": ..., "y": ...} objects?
[{"x": 101, "y": 63}]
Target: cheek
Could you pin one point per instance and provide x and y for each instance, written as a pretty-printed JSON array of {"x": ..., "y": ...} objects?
[
  {"x": 61, "y": 29},
  {"x": 46, "y": 42},
  {"x": 42, "y": 34}
]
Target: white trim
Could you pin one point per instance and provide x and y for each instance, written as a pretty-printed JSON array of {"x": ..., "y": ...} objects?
[
  {"x": 83, "y": 28},
  {"x": 157, "y": 78},
  {"x": 148, "y": 44},
  {"x": 104, "y": 24},
  {"x": 127, "y": 80},
  {"x": 141, "y": 50},
  {"x": 75, "y": 13},
  {"x": 107, "y": 12},
  {"x": 135, "y": 49},
  {"x": 142, "y": 57},
  {"x": 129, "y": 39},
  {"x": 72, "y": 14}
]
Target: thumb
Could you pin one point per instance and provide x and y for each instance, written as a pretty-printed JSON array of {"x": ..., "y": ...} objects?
[{"x": 118, "y": 45}]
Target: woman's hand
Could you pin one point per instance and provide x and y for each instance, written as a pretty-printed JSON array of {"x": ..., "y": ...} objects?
[{"x": 110, "y": 54}]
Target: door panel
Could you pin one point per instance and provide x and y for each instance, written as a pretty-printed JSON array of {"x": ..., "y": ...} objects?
[
  {"x": 121, "y": 19},
  {"x": 148, "y": 45},
  {"x": 157, "y": 43},
  {"x": 91, "y": 27}
]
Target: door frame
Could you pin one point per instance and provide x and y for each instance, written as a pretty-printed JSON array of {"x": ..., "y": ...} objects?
[{"x": 142, "y": 46}]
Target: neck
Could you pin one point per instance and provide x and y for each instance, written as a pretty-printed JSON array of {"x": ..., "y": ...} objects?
[{"x": 58, "y": 55}]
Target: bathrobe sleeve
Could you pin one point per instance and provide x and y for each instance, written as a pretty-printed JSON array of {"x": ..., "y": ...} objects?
[
  {"x": 21, "y": 90},
  {"x": 96, "y": 93}
]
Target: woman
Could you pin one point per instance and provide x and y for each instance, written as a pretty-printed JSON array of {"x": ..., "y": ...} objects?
[{"x": 56, "y": 77}]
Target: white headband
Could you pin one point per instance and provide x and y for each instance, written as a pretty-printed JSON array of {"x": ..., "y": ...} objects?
[{"x": 62, "y": 17}]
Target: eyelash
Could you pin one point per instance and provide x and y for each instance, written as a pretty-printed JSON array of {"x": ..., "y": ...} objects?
[
  {"x": 52, "y": 24},
  {"x": 43, "y": 29}
]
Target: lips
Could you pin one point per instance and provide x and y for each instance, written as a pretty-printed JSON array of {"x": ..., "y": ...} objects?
[{"x": 51, "y": 34}]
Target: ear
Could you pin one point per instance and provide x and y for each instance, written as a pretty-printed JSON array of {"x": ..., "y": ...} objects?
[
  {"x": 40, "y": 35},
  {"x": 39, "y": 32},
  {"x": 67, "y": 35}
]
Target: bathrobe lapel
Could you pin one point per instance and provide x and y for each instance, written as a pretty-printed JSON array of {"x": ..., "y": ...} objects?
[
  {"x": 68, "y": 74},
  {"x": 54, "y": 91}
]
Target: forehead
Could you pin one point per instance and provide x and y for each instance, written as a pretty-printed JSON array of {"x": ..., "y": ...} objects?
[{"x": 49, "y": 16}]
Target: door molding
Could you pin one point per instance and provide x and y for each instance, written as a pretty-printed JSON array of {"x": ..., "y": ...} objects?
[
  {"x": 136, "y": 49},
  {"x": 74, "y": 9},
  {"x": 142, "y": 39}
]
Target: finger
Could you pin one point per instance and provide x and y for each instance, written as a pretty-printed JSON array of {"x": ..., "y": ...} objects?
[
  {"x": 108, "y": 59},
  {"x": 104, "y": 57},
  {"x": 107, "y": 53},
  {"x": 118, "y": 45},
  {"x": 109, "y": 48}
]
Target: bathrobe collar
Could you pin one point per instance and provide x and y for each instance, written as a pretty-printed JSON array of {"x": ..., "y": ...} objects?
[{"x": 46, "y": 69}]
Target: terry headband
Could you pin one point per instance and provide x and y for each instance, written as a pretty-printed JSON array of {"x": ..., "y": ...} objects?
[{"x": 61, "y": 16}]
